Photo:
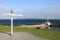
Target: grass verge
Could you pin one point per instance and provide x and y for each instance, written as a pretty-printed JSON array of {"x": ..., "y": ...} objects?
[{"x": 48, "y": 34}]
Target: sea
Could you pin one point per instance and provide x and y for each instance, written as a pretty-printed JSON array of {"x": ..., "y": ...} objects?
[{"x": 20, "y": 22}]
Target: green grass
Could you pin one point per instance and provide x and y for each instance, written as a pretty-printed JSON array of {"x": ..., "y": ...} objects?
[{"x": 47, "y": 34}]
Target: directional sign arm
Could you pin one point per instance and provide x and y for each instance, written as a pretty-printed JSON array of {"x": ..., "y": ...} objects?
[
  {"x": 12, "y": 14},
  {"x": 6, "y": 14},
  {"x": 17, "y": 15}
]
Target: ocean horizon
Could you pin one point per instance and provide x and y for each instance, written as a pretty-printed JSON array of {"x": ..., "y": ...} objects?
[{"x": 18, "y": 22}]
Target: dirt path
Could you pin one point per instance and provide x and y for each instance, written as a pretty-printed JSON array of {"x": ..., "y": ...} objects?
[{"x": 18, "y": 36}]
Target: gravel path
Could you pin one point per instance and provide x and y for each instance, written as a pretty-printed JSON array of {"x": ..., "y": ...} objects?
[{"x": 18, "y": 36}]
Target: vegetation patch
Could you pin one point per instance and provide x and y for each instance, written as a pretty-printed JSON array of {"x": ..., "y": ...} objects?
[{"x": 47, "y": 34}]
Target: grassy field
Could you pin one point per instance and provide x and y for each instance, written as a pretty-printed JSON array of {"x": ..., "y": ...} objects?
[{"x": 47, "y": 34}]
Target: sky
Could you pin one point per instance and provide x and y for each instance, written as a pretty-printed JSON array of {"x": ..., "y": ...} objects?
[{"x": 31, "y": 9}]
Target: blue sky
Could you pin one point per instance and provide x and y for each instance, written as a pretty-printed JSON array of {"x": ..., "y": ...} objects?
[{"x": 38, "y": 9}]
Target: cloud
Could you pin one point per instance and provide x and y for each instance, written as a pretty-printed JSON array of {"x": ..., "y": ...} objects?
[
  {"x": 50, "y": 13},
  {"x": 46, "y": 10},
  {"x": 2, "y": 7},
  {"x": 46, "y": 13},
  {"x": 51, "y": 10}
]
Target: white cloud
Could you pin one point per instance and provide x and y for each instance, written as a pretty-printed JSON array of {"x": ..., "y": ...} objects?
[
  {"x": 46, "y": 10},
  {"x": 2, "y": 7},
  {"x": 52, "y": 10},
  {"x": 50, "y": 13}
]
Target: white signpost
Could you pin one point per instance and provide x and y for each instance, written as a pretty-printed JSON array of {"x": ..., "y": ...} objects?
[{"x": 11, "y": 15}]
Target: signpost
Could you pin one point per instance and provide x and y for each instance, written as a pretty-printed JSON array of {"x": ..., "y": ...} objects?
[{"x": 11, "y": 15}]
